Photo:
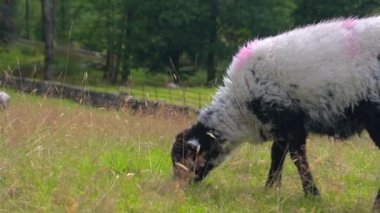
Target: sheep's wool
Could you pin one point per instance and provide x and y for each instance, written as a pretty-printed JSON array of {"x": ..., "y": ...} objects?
[
  {"x": 321, "y": 70},
  {"x": 4, "y": 100}
]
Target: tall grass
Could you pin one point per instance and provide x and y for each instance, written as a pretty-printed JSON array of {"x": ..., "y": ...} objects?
[{"x": 57, "y": 156}]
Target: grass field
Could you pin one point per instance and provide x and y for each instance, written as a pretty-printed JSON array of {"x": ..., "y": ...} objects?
[
  {"x": 25, "y": 58},
  {"x": 56, "y": 156}
]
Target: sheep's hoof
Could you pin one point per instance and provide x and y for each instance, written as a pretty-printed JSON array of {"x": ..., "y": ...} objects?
[
  {"x": 273, "y": 181},
  {"x": 312, "y": 191},
  {"x": 273, "y": 184},
  {"x": 376, "y": 206}
]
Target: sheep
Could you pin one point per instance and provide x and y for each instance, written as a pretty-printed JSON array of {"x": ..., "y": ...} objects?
[
  {"x": 4, "y": 100},
  {"x": 322, "y": 78}
]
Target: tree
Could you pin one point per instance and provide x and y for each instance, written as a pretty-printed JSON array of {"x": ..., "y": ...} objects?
[
  {"x": 7, "y": 28},
  {"x": 105, "y": 31},
  {"x": 231, "y": 23},
  {"x": 172, "y": 35},
  {"x": 310, "y": 11},
  {"x": 62, "y": 27},
  {"x": 111, "y": 69},
  {"x": 125, "y": 52},
  {"x": 48, "y": 35},
  {"x": 213, "y": 30},
  {"x": 27, "y": 19}
]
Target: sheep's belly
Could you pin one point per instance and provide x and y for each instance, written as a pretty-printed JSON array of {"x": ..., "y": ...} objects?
[{"x": 343, "y": 125}]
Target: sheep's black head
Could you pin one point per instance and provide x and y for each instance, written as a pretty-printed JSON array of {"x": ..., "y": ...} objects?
[{"x": 196, "y": 151}]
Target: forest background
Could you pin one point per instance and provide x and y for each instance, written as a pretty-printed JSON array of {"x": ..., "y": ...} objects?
[{"x": 149, "y": 44}]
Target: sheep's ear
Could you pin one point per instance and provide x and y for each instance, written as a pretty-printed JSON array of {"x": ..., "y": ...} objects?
[{"x": 194, "y": 143}]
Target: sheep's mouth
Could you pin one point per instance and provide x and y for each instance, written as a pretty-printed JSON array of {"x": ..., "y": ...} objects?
[
  {"x": 183, "y": 174},
  {"x": 181, "y": 166}
]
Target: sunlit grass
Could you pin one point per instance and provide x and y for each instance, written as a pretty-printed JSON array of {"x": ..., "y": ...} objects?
[{"x": 58, "y": 156}]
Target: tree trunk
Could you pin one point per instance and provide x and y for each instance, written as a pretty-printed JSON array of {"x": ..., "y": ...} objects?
[
  {"x": 110, "y": 63},
  {"x": 126, "y": 25},
  {"x": 118, "y": 46},
  {"x": 117, "y": 62},
  {"x": 63, "y": 15},
  {"x": 6, "y": 21},
  {"x": 174, "y": 60},
  {"x": 48, "y": 34},
  {"x": 27, "y": 20},
  {"x": 211, "y": 70}
]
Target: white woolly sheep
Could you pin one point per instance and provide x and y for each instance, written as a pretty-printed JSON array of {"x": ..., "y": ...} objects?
[
  {"x": 4, "y": 100},
  {"x": 323, "y": 79}
]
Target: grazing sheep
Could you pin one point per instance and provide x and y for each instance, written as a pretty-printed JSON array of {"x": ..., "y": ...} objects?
[
  {"x": 4, "y": 100},
  {"x": 323, "y": 79}
]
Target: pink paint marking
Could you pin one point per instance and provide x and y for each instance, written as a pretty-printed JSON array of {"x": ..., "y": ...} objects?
[
  {"x": 350, "y": 40},
  {"x": 349, "y": 23},
  {"x": 244, "y": 54},
  {"x": 352, "y": 48}
]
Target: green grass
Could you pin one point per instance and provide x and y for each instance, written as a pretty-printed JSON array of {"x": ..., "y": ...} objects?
[
  {"x": 26, "y": 58},
  {"x": 56, "y": 156},
  {"x": 187, "y": 96}
]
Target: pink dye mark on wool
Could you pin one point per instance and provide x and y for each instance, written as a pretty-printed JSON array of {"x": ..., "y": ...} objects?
[
  {"x": 244, "y": 54},
  {"x": 350, "y": 40},
  {"x": 349, "y": 23}
]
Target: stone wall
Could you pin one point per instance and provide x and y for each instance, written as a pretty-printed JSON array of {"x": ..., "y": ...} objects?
[{"x": 86, "y": 96}]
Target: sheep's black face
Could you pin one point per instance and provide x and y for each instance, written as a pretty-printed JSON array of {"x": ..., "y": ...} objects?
[{"x": 194, "y": 153}]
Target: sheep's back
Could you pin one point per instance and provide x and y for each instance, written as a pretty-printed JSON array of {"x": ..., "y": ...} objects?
[{"x": 324, "y": 68}]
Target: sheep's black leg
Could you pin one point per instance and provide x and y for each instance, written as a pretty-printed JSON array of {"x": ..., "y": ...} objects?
[
  {"x": 374, "y": 133},
  {"x": 297, "y": 150},
  {"x": 288, "y": 124},
  {"x": 278, "y": 154},
  {"x": 376, "y": 206},
  {"x": 371, "y": 118}
]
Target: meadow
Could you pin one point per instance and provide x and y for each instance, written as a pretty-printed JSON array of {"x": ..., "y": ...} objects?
[
  {"x": 57, "y": 156},
  {"x": 25, "y": 58}
]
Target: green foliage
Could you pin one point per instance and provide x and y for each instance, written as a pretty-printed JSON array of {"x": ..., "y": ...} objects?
[
  {"x": 310, "y": 11},
  {"x": 26, "y": 58},
  {"x": 175, "y": 36},
  {"x": 176, "y": 19},
  {"x": 34, "y": 19},
  {"x": 7, "y": 27},
  {"x": 162, "y": 36}
]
